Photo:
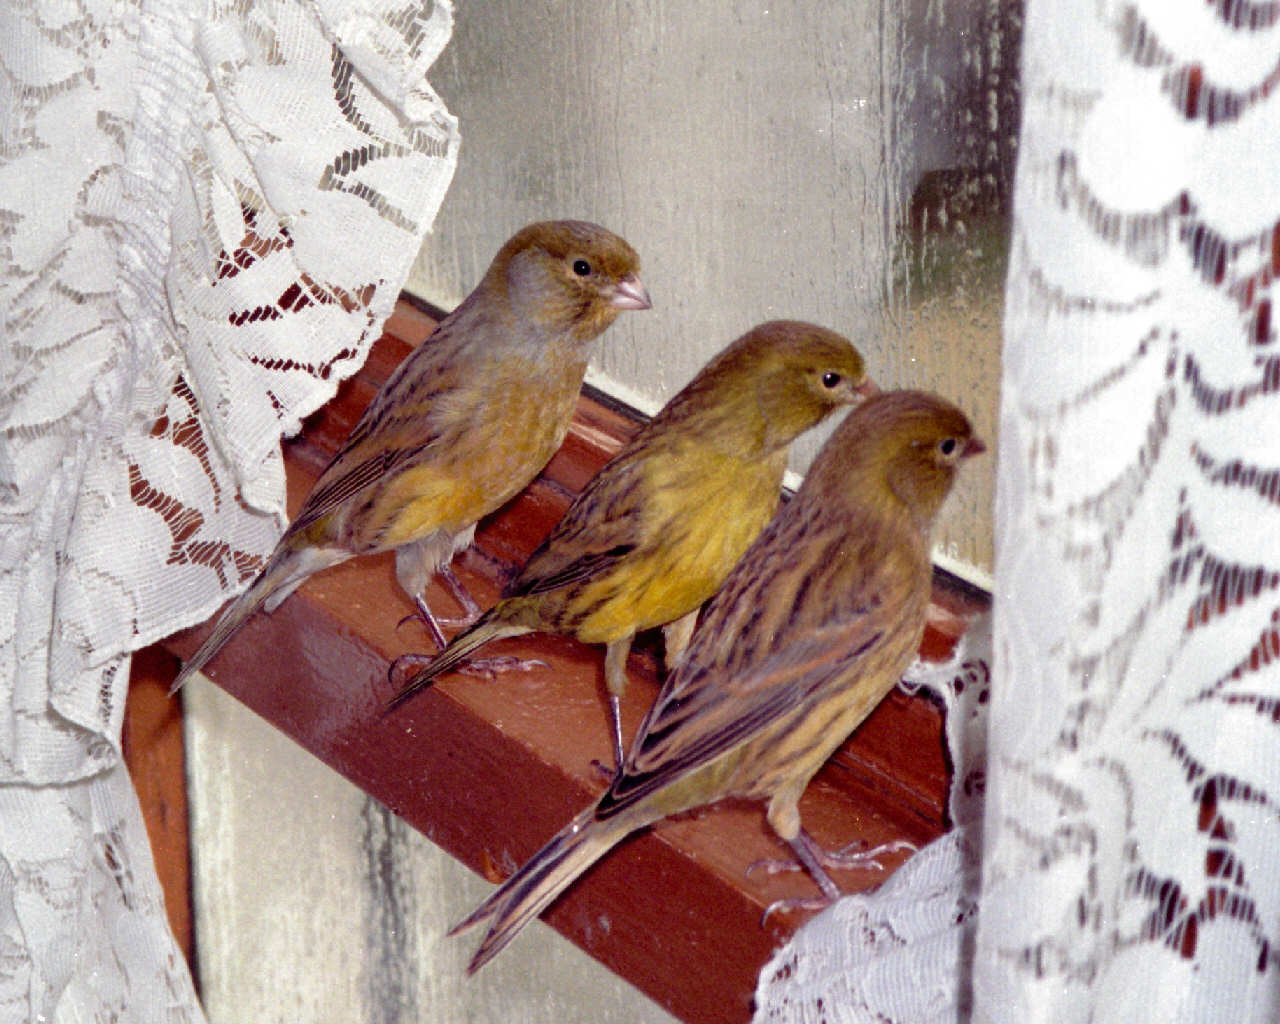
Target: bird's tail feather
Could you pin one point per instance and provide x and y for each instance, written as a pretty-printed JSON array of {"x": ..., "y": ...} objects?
[
  {"x": 485, "y": 630},
  {"x": 284, "y": 570},
  {"x": 545, "y": 876}
]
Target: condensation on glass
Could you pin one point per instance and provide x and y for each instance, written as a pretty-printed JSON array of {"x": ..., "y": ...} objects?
[
  {"x": 951, "y": 138},
  {"x": 847, "y": 163}
]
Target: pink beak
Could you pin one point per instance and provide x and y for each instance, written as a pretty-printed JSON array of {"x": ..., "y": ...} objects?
[{"x": 629, "y": 293}]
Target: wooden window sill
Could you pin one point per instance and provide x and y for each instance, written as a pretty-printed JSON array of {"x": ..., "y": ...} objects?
[{"x": 490, "y": 770}]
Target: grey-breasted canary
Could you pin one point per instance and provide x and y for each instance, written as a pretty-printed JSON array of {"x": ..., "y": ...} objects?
[{"x": 464, "y": 423}]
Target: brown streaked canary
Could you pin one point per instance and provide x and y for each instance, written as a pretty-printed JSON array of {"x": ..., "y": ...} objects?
[
  {"x": 657, "y": 530},
  {"x": 465, "y": 422},
  {"x": 812, "y": 628}
]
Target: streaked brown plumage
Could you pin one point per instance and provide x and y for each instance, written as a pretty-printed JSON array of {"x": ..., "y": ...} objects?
[
  {"x": 465, "y": 422},
  {"x": 658, "y": 529},
  {"x": 813, "y": 627}
]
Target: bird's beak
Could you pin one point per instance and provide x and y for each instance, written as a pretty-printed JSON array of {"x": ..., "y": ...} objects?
[
  {"x": 974, "y": 446},
  {"x": 866, "y": 389},
  {"x": 629, "y": 293}
]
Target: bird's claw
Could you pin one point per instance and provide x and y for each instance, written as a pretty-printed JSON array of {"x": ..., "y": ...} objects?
[
  {"x": 814, "y": 903},
  {"x": 401, "y": 671},
  {"x": 435, "y": 621},
  {"x": 774, "y": 865},
  {"x": 405, "y": 667},
  {"x": 606, "y": 773},
  {"x": 455, "y": 623},
  {"x": 855, "y": 855},
  {"x": 491, "y": 668},
  {"x": 848, "y": 857}
]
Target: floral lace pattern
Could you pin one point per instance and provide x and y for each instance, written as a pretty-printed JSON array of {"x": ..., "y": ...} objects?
[{"x": 207, "y": 216}]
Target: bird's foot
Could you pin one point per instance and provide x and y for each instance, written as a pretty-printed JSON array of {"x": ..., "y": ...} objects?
[
  {"x": 491, "y": 668},
  {"x": 455, "y": 623},
  {"x": 425, "y": 616},
  {"x": 814, "y": 903},
  {"x": 434, "y": 622},
  {"x": 404, "y": 668},
  {"x": 813, "y": 858},
  {"x": 606, "y": 773},
  {"x": 855, "y": 855},
  {"x": 401, "y": 671},
  {"x": 470, "y": 610},
  {"x": 439, "y": 620}
]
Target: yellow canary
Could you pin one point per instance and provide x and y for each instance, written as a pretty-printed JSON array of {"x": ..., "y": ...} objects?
[
  {"x": 655, "y": 533},
  {"x": 812, "y": 628},
  {"x": 466, "y": 421}
]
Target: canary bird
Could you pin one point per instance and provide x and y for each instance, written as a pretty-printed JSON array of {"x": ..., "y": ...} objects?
[
  {"x": 656, "y": 531},
  {"x": 464, "y": 423},
  {"x": 812, "y": 628}
]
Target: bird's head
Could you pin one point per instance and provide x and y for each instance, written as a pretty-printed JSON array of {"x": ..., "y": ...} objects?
[
  {"x": 778, "y": 380},
  {"x": 569, "y": 277},
  {"x": 902, "y": 446},
  {"x": 803, "y": 373}
]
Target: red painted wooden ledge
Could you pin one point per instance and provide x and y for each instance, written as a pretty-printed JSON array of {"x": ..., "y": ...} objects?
[{"x": 490, "y": 770}]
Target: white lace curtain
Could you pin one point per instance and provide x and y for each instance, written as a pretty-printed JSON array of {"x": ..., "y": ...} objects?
[
  {"x": 206, "y": 214},
  {"x": 1127, "y": 852}
]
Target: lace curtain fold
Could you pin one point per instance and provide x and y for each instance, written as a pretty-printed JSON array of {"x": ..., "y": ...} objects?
[
  {"x": 1131, "y": 827},
  {"x": 208, "y": 211}
]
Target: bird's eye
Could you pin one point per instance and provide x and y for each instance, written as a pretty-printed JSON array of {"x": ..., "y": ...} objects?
[
  {"x": 581, "y": 267},
  {"x": 947, "y": 446},
  {"x": 830, "y": 379}
]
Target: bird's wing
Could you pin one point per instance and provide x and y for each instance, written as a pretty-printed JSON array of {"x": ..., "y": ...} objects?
[
  {"x": 580, "y": 566},
  {"x": 346, "y": 482},
  {"x": 803, "y": 611},
  {"x": 395, "y": 431},
  {"x": 712, "y": 712},
  {"x": 353, "y": 471},
  {"x": 605, "y": 524}
]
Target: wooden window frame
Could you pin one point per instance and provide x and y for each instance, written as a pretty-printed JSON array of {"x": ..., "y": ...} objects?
[{"x": 490, "y": 770}]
